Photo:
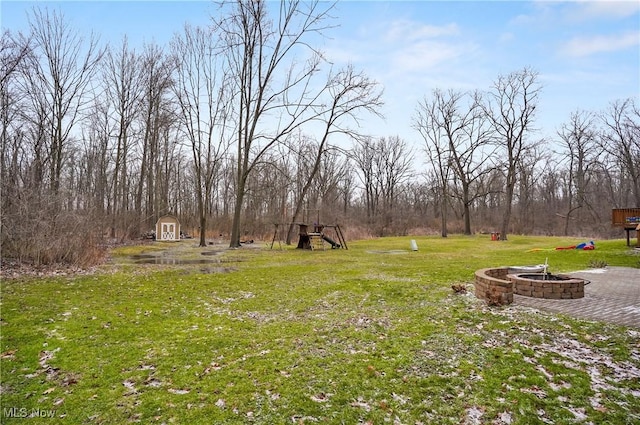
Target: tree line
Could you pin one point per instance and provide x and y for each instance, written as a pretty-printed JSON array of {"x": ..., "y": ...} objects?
[{"x": 245, "y": 124}]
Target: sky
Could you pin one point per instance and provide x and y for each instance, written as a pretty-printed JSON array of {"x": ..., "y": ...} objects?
[{"x": 587, "y": 53}]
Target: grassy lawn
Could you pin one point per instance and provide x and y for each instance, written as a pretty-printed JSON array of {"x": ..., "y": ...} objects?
[{"x": 373, "y": 334}]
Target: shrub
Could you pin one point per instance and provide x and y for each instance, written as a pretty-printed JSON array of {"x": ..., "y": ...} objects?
[{"x": 37, "y": 229}]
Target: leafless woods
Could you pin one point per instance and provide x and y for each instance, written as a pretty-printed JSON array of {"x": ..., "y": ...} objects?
[{"x": 245, "y": 123}]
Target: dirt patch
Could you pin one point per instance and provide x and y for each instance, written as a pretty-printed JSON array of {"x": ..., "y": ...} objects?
[
  {"x": 12, "y": 269},
  {"x": 216, "y": 270},
  {"x": 169, "y": 261},
  {"x": 389, "y": 252}
]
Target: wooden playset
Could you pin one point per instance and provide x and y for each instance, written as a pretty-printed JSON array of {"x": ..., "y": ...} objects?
[{"x": 629, "y": 220}]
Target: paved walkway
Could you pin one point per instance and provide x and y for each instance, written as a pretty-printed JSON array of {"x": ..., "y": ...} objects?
[{"x": 612, "y": 296}]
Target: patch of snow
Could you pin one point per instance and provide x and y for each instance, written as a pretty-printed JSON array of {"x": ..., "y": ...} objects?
[
  {"x": 130, "y": 385},
  {"x": 302, "y": 419},
  {"x": 535, "y": 390},
  {"x": 592, "y": 271},
  {"x": 361, "y": 403},
  {"x": 473, "y": 416},
  {"x": 179, "y": 392},
  {"x": 544, "y": 371},
  {"x": 154, "y": 383},
  {"x": 505, "y": 418},
  {"x": 399, "y": 398},
  {"x": 579, "y": 413}
]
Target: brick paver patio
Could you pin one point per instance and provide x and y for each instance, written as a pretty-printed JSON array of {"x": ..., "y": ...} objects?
[{"x": 612, "y": 296}]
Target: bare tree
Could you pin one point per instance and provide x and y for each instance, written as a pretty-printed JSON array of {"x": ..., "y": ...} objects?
[
  {"x": 395, "y": 167},
  {"x": 440, "y": 124},
  {"x": 363, "y": 154},
  {"x": 273, "y": 93},
  {"x": 460, "y": 141},
  {"x": 384, "y": 167},
  {"x": 157, "y": 127},
  {"x": 349, "y": 94},
  {"x": 578, "y": 139},
  {"x": 51, "y": 82},
  {"x": 200, "y": 95},
  {"x": 473, "y": 158},
  {"x": 61, "y": 68},
  {"x": 510, "y": 106},
  {"x": 34, "y": 115},
  {"x": 530, "y": 169},
  {"x": 96, "y": 152},
  {"x": 550, "y": 195},
  {"x": 346, "y": 186},
  {"x": 328, "y": 185},
  {"x": 621, "y": 140},
  {"x": 300, "y": 149},
  {"x": 13, "y": 52},
  {"x": 123, "y": 91}
]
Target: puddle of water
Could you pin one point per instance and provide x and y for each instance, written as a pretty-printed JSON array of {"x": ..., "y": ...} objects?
[
  {"x": 137, "y": 257},
  {"x": 171, "y": 261}
]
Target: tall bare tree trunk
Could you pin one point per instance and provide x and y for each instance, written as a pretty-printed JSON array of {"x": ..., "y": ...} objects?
[{"x": 512, "y": 103}]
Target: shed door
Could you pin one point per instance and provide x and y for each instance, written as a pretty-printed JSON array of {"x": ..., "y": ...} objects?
[{"x": 168, "y": 231}]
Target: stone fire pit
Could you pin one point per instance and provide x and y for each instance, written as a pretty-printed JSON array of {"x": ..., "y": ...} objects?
[
  {"x": 497, "y": 285},
  {"x": 547, "y": 286}
]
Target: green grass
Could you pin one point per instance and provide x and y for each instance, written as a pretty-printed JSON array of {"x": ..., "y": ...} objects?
[{"x": 370, "y": 335}]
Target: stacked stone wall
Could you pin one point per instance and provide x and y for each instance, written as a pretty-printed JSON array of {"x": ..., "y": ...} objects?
[
  {"x": 496, "y": 287},
  {"x": 492, "y": 286},
  {"x": 548, "y": 289}
]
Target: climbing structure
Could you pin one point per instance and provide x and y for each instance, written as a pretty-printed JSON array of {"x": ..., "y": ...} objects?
[{"x": 323, "y": 236}]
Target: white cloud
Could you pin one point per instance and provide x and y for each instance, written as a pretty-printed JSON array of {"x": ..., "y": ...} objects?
[
  {"x": 406, "y": 31},
  {"x": 401, "y": 47},
  {"x": 587, "y": 10},
  {"x": 506, "y": 37},
  {"x": 551, "y": 13},
  {"x": 416, "y": 47},
  {"x": 586, "y": 46},
  {"x": 425, "y": 55},
  {"x": 541, "y": 12}
]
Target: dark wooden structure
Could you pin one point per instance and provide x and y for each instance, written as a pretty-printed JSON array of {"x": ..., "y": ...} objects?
[
  {"x": 318, "y": 239},
  {"x": 629, "y": 220}
]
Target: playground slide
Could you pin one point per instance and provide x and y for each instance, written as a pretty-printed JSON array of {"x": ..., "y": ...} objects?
[{"x": 333, "y": 243}]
